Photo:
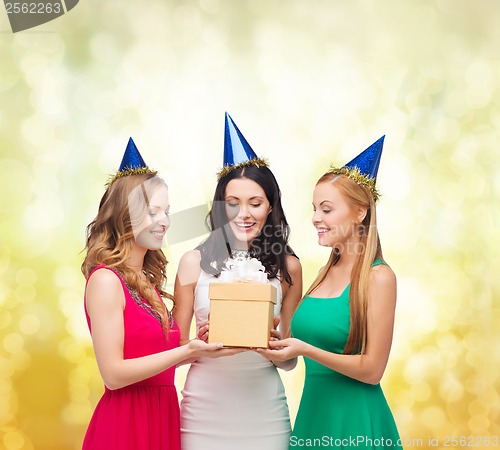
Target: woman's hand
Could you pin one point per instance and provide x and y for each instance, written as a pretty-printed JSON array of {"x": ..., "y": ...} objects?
[
  {"x": 227, "y": 351},
  {"x": 203, "y": 331},
  {"x": 203, "y": 337},
  {"x": 198, "y": 348},
  {"x": 283, "y": 350}
]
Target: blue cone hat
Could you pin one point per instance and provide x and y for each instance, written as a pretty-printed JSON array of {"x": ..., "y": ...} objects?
[
  {"x": 368, "y": 160},
  {"x": 132, "y": 163},
  {"x": 363, "y": 168},
  {"x": 236, "y": 147},
  {"x": 237, "y": 150},
  {"x": 132, "y": 159}
]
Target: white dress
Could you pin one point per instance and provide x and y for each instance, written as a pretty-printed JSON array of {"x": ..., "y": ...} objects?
[{"x": 235, "y": 402}]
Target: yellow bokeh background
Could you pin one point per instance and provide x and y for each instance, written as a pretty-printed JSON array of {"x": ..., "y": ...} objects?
[{"x": 309, "y": 82}]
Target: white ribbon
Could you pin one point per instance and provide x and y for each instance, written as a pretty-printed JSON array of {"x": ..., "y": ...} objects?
[{"x": 244, "y": 271}]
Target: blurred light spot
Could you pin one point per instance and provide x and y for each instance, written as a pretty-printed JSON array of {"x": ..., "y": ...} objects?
[
  {"x": 13, "y": 440},
  {"x": 36, "y": 130},
  {"x": 489, "y": 397},
  {"x": 404, "y": 416},
  {"x": 29, "y": 324},
  {"x": 25, "y": 293},
  {"x": 397, "y": 185},
  {"x": 479, "y": 73},
  {"x": 5, "y": 318},
  {"x": 187, "y": 20},
  {"x": 450, "y": 389},
  {"x": 46, "y": 217},
  {"x": 478, "y": 96},
  {"x": 14, "y": 185},
  {"x": 6, "y": 367},
  {"x": 21, "y": 360},
  {"x": 446, "y": 130},
  {"x": 473, "y": 383},
  {"x": 26, "y": 276},
  {"x": 406, "y": 398},
  {"x": 68, "y": 277},
  {"x": 4, "y": 293},
  {"x": 4, "y": 258},
  {"x": 455, "y": 104},
  {"x": 421, "y": 391},
  {"x": 10, "y": 73},
  {"x": 13, "y": 342},
  {"x": 479, "y": 424},
  {"x": 433, "y": 418},
  {"x": 77, "y": 413},
  {"x": 71, "y": 350},
  {"x": 103, "y": 47},
  {"x": 210, "y": 6},
  {"x": 476, "y": 409}
]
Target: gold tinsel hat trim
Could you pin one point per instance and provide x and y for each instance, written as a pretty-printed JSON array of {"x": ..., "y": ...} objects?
[
  {"x": 127, "y": 172},
  {"x": 359, "y": 178},
  {"x": 132, "y": 164},
  {"x": 363, "y": 168},
  {"x": 256, "y": 162}
]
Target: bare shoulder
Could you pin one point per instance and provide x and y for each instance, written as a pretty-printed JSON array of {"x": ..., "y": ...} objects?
[
  {"x": 103, "y": 279},
  {"x": 189, "y": 268},
  {"x": 383, "y": 276},
  {"x": 293, "y": 265},
  {"x": 191, "y": 258},
  {"x": 104, "y": 290},
  {"x": 382, "y": 286}
]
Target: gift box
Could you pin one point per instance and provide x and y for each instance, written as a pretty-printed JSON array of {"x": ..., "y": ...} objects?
[{"x": 241, "y": 314}]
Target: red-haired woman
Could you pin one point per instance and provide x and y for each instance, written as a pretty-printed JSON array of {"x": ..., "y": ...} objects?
[{"x": 135, "y": 340}]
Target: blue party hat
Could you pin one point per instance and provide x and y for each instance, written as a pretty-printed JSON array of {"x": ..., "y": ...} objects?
[
  {"x": 368, "y": 160},
  {"x": 363, "y": 168},
  {"x": 237, "y": 151},
  {"x": 132, "y": 163},
  {"x": 132, "y": 159}
]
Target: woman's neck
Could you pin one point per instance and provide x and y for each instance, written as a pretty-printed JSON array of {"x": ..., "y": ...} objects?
[
  {"x": 349, "y": 255},
  {"x": 136, "y": 259},
  {"x": 240, "y": 245}
]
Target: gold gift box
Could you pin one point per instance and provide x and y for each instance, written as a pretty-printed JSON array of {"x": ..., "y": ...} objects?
[{"x": 241, "y": 314}]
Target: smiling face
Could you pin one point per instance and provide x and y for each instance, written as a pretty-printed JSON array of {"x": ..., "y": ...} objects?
[
  {"x": 335, "y": 218},
  {"x": 151, "y": 226},
  {"x": 247, "y": 208}
]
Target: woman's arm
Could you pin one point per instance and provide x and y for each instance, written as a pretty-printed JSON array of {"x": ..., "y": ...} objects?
[
  {"x": 369, "y": 367},
  {"x": 292, "y": 294},
  {"x": 105, "y": 302},
  {"x": 188, "y": 273}
]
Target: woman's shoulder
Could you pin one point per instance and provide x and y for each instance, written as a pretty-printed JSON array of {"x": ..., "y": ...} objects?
[
  {"x": 293, "y": 264},
  {"x": 104, "y": 276},
  {"x": 190, "y": 258},
  {"x": 383, "y": 275},
  {"x": 104, "y": 289},
  {"x": 189, "y": 268}
]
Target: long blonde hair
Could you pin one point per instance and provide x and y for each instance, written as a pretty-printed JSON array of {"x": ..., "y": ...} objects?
[
  {"x": 358, "y": 196},
  {"x": 110, "y": 236}
]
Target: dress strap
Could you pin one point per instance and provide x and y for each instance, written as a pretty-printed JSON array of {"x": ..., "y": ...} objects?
[
  {"x": 378, "y": 262},
  {"x": 133, "y": 293}
]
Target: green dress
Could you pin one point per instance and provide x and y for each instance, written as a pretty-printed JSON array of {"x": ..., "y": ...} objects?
[{"x": 337, "y": 411}]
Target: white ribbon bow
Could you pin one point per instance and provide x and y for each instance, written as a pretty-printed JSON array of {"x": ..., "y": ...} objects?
[{"x": 244, "y": 271}]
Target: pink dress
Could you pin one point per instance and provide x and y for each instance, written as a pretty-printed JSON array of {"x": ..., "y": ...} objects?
[{"x": 143, "y": 415}]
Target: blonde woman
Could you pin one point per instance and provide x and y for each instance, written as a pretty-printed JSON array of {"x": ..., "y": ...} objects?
[{"x": 343, "y": 327}]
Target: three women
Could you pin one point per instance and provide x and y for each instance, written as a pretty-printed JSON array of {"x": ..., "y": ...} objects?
[{"x": 343, "y": 326}]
